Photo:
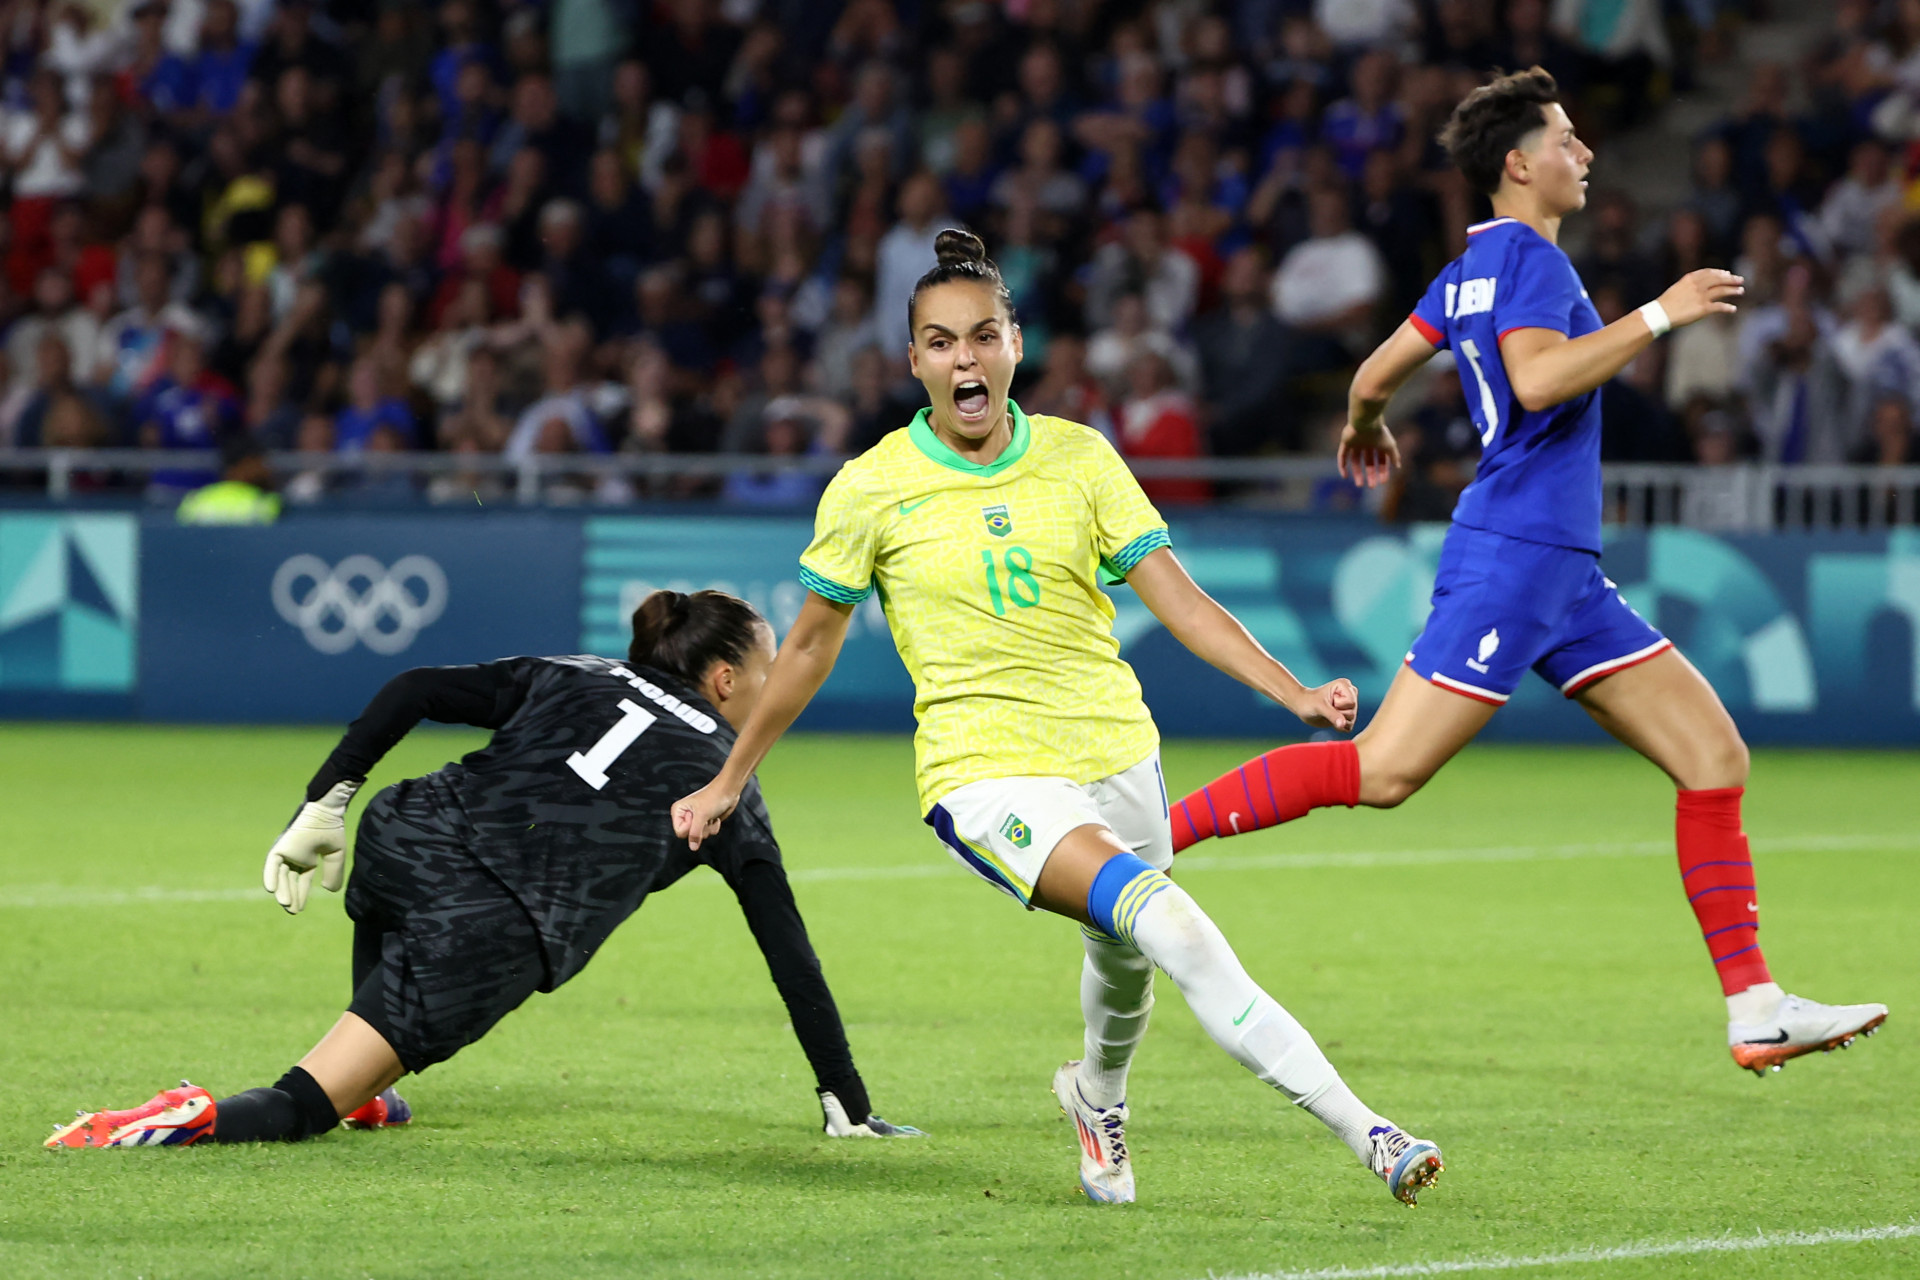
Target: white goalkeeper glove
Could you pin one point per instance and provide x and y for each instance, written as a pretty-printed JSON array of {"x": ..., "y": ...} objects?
[{"x": 317, "y": 837}]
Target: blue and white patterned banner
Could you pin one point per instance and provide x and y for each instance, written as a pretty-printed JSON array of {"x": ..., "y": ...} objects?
[{"x": 1810, "y": 638}]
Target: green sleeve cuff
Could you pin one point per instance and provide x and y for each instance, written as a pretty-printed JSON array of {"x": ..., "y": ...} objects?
[
  {"x": 1123, "y": 562},
  {"x": 832, "y": 590}
]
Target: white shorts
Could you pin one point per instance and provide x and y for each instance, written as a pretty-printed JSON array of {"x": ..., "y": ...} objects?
[{"x": 1003, "y": 829}]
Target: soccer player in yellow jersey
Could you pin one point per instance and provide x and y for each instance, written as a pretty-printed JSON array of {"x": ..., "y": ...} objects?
[{"x": 985, "y": 532}]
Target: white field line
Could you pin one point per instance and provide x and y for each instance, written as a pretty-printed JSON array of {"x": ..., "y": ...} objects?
[
  {"x": 55, "y": 895},
  {"x": 1595, "y": 1255},
  {"x": 72, "y": 896}
]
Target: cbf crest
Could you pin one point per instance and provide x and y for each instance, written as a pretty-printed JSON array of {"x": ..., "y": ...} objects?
[{"x": 999, "y": 520}]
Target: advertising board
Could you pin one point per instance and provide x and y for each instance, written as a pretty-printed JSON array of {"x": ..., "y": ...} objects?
[{"x": 1809, "y": 638}]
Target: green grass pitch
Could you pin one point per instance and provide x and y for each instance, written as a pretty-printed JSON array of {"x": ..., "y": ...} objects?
[{"x": 1504, "y": 964}]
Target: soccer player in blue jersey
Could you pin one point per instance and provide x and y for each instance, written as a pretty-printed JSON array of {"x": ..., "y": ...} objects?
[{"x": 1519, "y": 583}]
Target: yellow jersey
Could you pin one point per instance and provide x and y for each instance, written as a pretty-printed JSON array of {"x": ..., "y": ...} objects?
[{"x": 989, "y": 576}]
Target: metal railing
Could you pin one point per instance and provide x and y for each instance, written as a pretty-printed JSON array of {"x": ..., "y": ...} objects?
[
  {"x": 1761, "y": 497},
  {"x": 1743, "y": 497},
  {"x": 526, "y": 478}
]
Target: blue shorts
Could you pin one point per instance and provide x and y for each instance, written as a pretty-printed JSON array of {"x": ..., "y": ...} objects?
[{"x": 1501, "y": 605}]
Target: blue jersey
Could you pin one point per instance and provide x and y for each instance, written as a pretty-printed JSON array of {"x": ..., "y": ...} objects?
[{"x": 1539, "y": 475}]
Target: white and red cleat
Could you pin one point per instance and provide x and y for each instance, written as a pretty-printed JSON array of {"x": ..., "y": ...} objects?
[
  {"x": 172, "y": 1118},
  {"x": 1106, "y": 1173}
]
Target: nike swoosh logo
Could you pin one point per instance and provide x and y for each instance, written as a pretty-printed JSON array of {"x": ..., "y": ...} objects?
[
  {"x": 1244, "y": 1012},
  {"x": 1233, "y": 820},
  {"x": 1753, "y": 906},
  {"x": 1779, "y": 1039},
  {"x": 906, "y": 510}
]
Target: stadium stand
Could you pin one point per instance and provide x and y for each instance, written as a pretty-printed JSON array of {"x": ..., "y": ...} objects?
[{"x": 581, "y": 251}]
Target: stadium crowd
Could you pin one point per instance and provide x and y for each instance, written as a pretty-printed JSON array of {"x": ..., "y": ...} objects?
[{"x": 584, "y": 226}]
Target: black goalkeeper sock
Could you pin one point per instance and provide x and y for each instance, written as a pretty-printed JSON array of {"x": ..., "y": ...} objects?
[
  {"x": 294, "y": 1109},
  {"x": 317, "y": 1112},
  {"x": 258, "y": 1115}
]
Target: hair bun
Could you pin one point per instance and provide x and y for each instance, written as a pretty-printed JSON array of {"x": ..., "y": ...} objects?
[
  {"x": 667, "y": 609},
  {"x": 954, "y": 246},
  {"x": 685, "y": 634},
  {"x": 961, "y": 257},
  {"x": 659, "y": 616}
]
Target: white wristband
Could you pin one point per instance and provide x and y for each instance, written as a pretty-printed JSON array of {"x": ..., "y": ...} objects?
[{"x": 1656, "y": 317}]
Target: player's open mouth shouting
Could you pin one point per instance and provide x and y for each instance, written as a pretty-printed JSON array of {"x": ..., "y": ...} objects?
[{"x": 971, "y": 402}]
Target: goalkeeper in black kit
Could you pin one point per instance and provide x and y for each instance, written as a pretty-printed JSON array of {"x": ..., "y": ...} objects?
[{"x": 500, "y": 875}]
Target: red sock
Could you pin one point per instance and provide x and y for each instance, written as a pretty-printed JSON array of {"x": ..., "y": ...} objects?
[
  {"x": 1716, "y": 870},
  {"x": 1277, "y": 787}
]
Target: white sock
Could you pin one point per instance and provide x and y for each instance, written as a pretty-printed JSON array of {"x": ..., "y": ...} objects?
[
  {"x": 1249, "y": 1024},
  {"x": 1116, "y": 997},
  {"x": 1350, "y": 1119},
  {"x": 1754, "y": 1005}
]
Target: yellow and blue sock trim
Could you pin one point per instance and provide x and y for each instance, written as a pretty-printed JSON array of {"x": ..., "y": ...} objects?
[{"x": 1120, "y": 891}]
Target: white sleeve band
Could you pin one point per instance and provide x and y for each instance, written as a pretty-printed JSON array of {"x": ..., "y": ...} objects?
[{"x": 1656, "y": 317}]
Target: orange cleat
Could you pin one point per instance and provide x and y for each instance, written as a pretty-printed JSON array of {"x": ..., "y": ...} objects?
[
  {"x": 172, "y": 1118},
  {"x": 384, "y": 1111}
]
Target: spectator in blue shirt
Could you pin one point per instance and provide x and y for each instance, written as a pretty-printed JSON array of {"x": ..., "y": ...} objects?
[
  {"x": 368, "y": 411},
  {"x": 220, "y": 68},
  {"x": 1295, "y": 128},
  {"x": 188, "y": 407},
  {"x": 970, "y": 181},
  {"x": 161, "y": 80},
  {"x": 462, "y": 47},
  {"x": 1368, "y": 121},
  {"x": 786, "y": 437},
  {"x": 1140, "y": 117}
]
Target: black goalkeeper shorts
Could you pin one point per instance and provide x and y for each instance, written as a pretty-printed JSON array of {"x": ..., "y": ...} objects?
[{"x": 441, "y": 950}]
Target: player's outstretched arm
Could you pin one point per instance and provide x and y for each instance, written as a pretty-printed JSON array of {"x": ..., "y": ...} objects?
[
  {"x": 1367, "y": 451},
  {"x": 1545, "y": 367},
  {"x": 805, "y": 659},
  {"x": 1198, "y": 622},
  {"x": 760, "y": 883},
  {"x": 766, "y": 900},
  {"x": 316, "y": 839}
]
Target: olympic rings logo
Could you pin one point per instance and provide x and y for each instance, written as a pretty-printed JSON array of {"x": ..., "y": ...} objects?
[{"x": 360, "y": 601}]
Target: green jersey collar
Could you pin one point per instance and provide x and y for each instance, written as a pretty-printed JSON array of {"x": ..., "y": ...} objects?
[{"x": 924, "y": 437}]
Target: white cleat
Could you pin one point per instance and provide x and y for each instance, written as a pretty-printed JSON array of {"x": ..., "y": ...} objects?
[
  {"x": 839, "y": 1125},
  {"x": 1408, "y": 1165},
  {"x": 1106, "y": 1174},
  {"x": 1800, "y": 1026}
]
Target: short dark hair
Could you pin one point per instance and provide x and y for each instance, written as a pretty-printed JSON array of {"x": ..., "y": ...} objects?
[
  {"x": 960, "y": 255},
  {"x": 1492, "y": 119},
  {"x": 683, "y": 635}
]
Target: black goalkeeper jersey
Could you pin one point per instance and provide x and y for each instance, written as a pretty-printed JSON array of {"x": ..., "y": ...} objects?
[{"x": 569, "y": 804}]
